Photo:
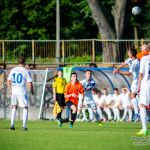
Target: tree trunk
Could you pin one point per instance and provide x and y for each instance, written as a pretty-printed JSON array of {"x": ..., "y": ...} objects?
[{"x": 111, "y": 51}]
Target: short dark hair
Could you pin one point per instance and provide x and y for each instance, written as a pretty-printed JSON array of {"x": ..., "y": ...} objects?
[
  {"x": 73, "y": 73},
  {"x": 21, "y": 60},
  {"x": 116, "y": 89},
  {"x": 88, "y": 70},
  {"x": 133, "y": 51}
]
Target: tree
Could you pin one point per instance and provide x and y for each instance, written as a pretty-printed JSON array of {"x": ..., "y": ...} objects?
[{"x": 111, "y": 24}]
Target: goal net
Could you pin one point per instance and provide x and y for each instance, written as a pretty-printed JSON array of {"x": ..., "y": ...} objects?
[{"x": 40, "y": 104}]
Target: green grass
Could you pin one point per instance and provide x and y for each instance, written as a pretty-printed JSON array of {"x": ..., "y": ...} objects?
[{"x": 45, "y": 135}]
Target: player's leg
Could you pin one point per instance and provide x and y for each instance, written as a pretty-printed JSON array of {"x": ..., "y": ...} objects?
[
  {"x": 144, "y": 101},
  {"x": 130, "y": 114},
  {"x": 73, "y": 114},
  {"x": 13, "y": 111},
  {"x": 91, "y": 113},
  {"x": 61, "y": 102},
  {"x": 134, "y": 100},
  {"x": 108, "y": 112},
  {"x": 23, "y": 102},
  {"x": 124, "y": 114},
  {"x": 117, "y": 114}
]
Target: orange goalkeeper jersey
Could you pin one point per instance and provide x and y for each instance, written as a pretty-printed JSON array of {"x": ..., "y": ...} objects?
[{"x": 73, "y": 89}]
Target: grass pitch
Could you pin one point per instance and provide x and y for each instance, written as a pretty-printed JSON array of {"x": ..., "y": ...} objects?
[{"x": 46, "y": 135}]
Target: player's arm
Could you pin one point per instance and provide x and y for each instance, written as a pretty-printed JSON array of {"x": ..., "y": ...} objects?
[
  {"x": 123, "y": 64},
  {"x": 30, "y": 85},
  {"x": 127, "y": 73}
]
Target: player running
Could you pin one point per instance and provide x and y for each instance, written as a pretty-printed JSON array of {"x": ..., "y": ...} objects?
[
  {"x": 134, "y": 66},
  {"x": 16, "y": 82},
  {"x": 72, "y": 91},
  {"x": 88, "y": 84}
]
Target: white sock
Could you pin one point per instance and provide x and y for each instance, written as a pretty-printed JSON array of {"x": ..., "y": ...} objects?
[
  {"x": 108, "y": 113},
  {"x": 117, "y": 113},
  {"x": 143, "y": 118},
  {"x": 130, "y": 114},
  {"x": 124, "y": 113},
  {"x": 25, "y": 117},
  {"x": 91, "y": 113},
  {"x": 135, "y": 105},
  {"x": 100, "y": 112},
  {"x": 84, "y": 114},
  {"x": 13, "y": 115}
]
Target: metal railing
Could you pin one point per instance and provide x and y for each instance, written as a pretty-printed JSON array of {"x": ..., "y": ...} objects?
[{"x": 71, "y": 51}]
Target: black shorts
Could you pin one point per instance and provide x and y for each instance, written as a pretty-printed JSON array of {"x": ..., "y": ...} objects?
[
  {"x": 69, "y": 104},
  {"x": 60, "y": 99}
]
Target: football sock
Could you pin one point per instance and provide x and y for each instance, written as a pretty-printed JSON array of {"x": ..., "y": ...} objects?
[
  {"x": 130, "y": 114},
  {"x": 25, "y": 117},
  {"x": 73, "y": 117},
  {"x": 13, "y": 115},
  {"x": 143, "y": 118},
  {"x": 84, "y": 114},
  {"x": 135, "y": 105}
]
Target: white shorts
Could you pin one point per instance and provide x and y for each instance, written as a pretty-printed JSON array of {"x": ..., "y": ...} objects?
[
  {"x": 21, "y": 99},
  {"x": 134, "y": 86},
  {"x": 145, "y": 94}
]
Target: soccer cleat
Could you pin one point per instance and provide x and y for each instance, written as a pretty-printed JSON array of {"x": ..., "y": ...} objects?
[
  {"x": 59, "y": 123},
  {"x": 24, "y": 129},
  {"x": 71, "y": 126},
  {"x": 135, "y": 117},
  {"x": 12, "y": 127},
  {"x": 142, "y": 132}
]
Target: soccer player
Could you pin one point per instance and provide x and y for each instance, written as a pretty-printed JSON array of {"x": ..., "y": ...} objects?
[
  {"x": 115, "y": 105},
  {"x": 134, "y": 66},
  {"x": 144, "y": 51},
  {"x": 144, "y": 88},
  {"x": 16, "y": 82},
  {"x": 106, "y": 100},
  {"x": 88, "y": 84},
  {"x": 58, "y": 92},
  {"x": 72, "y": 91},
  {"x": 125, "y": 104}
]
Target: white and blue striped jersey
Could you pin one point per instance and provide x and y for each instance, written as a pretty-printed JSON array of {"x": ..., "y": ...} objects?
[
  {"x": 88, "y": 86},
  {"x": 134, "y": 67}
]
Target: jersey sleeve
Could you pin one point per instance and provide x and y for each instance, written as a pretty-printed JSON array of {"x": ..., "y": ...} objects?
[{"x": 29, "y": 79}]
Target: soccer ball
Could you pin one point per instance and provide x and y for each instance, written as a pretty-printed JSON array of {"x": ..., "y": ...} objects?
[{"x": 136, "y": 10}]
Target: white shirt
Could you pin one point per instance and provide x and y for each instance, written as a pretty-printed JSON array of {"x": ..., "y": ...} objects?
[
  {"x": 145, "y": 68},
  {"x": 19, "y": 76},
  {"x": 106, "y": 99},
  {"x": 116, "y": 100},
  {"x": 134, "y": 67},
  {"x": 124, "y": 99}
]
